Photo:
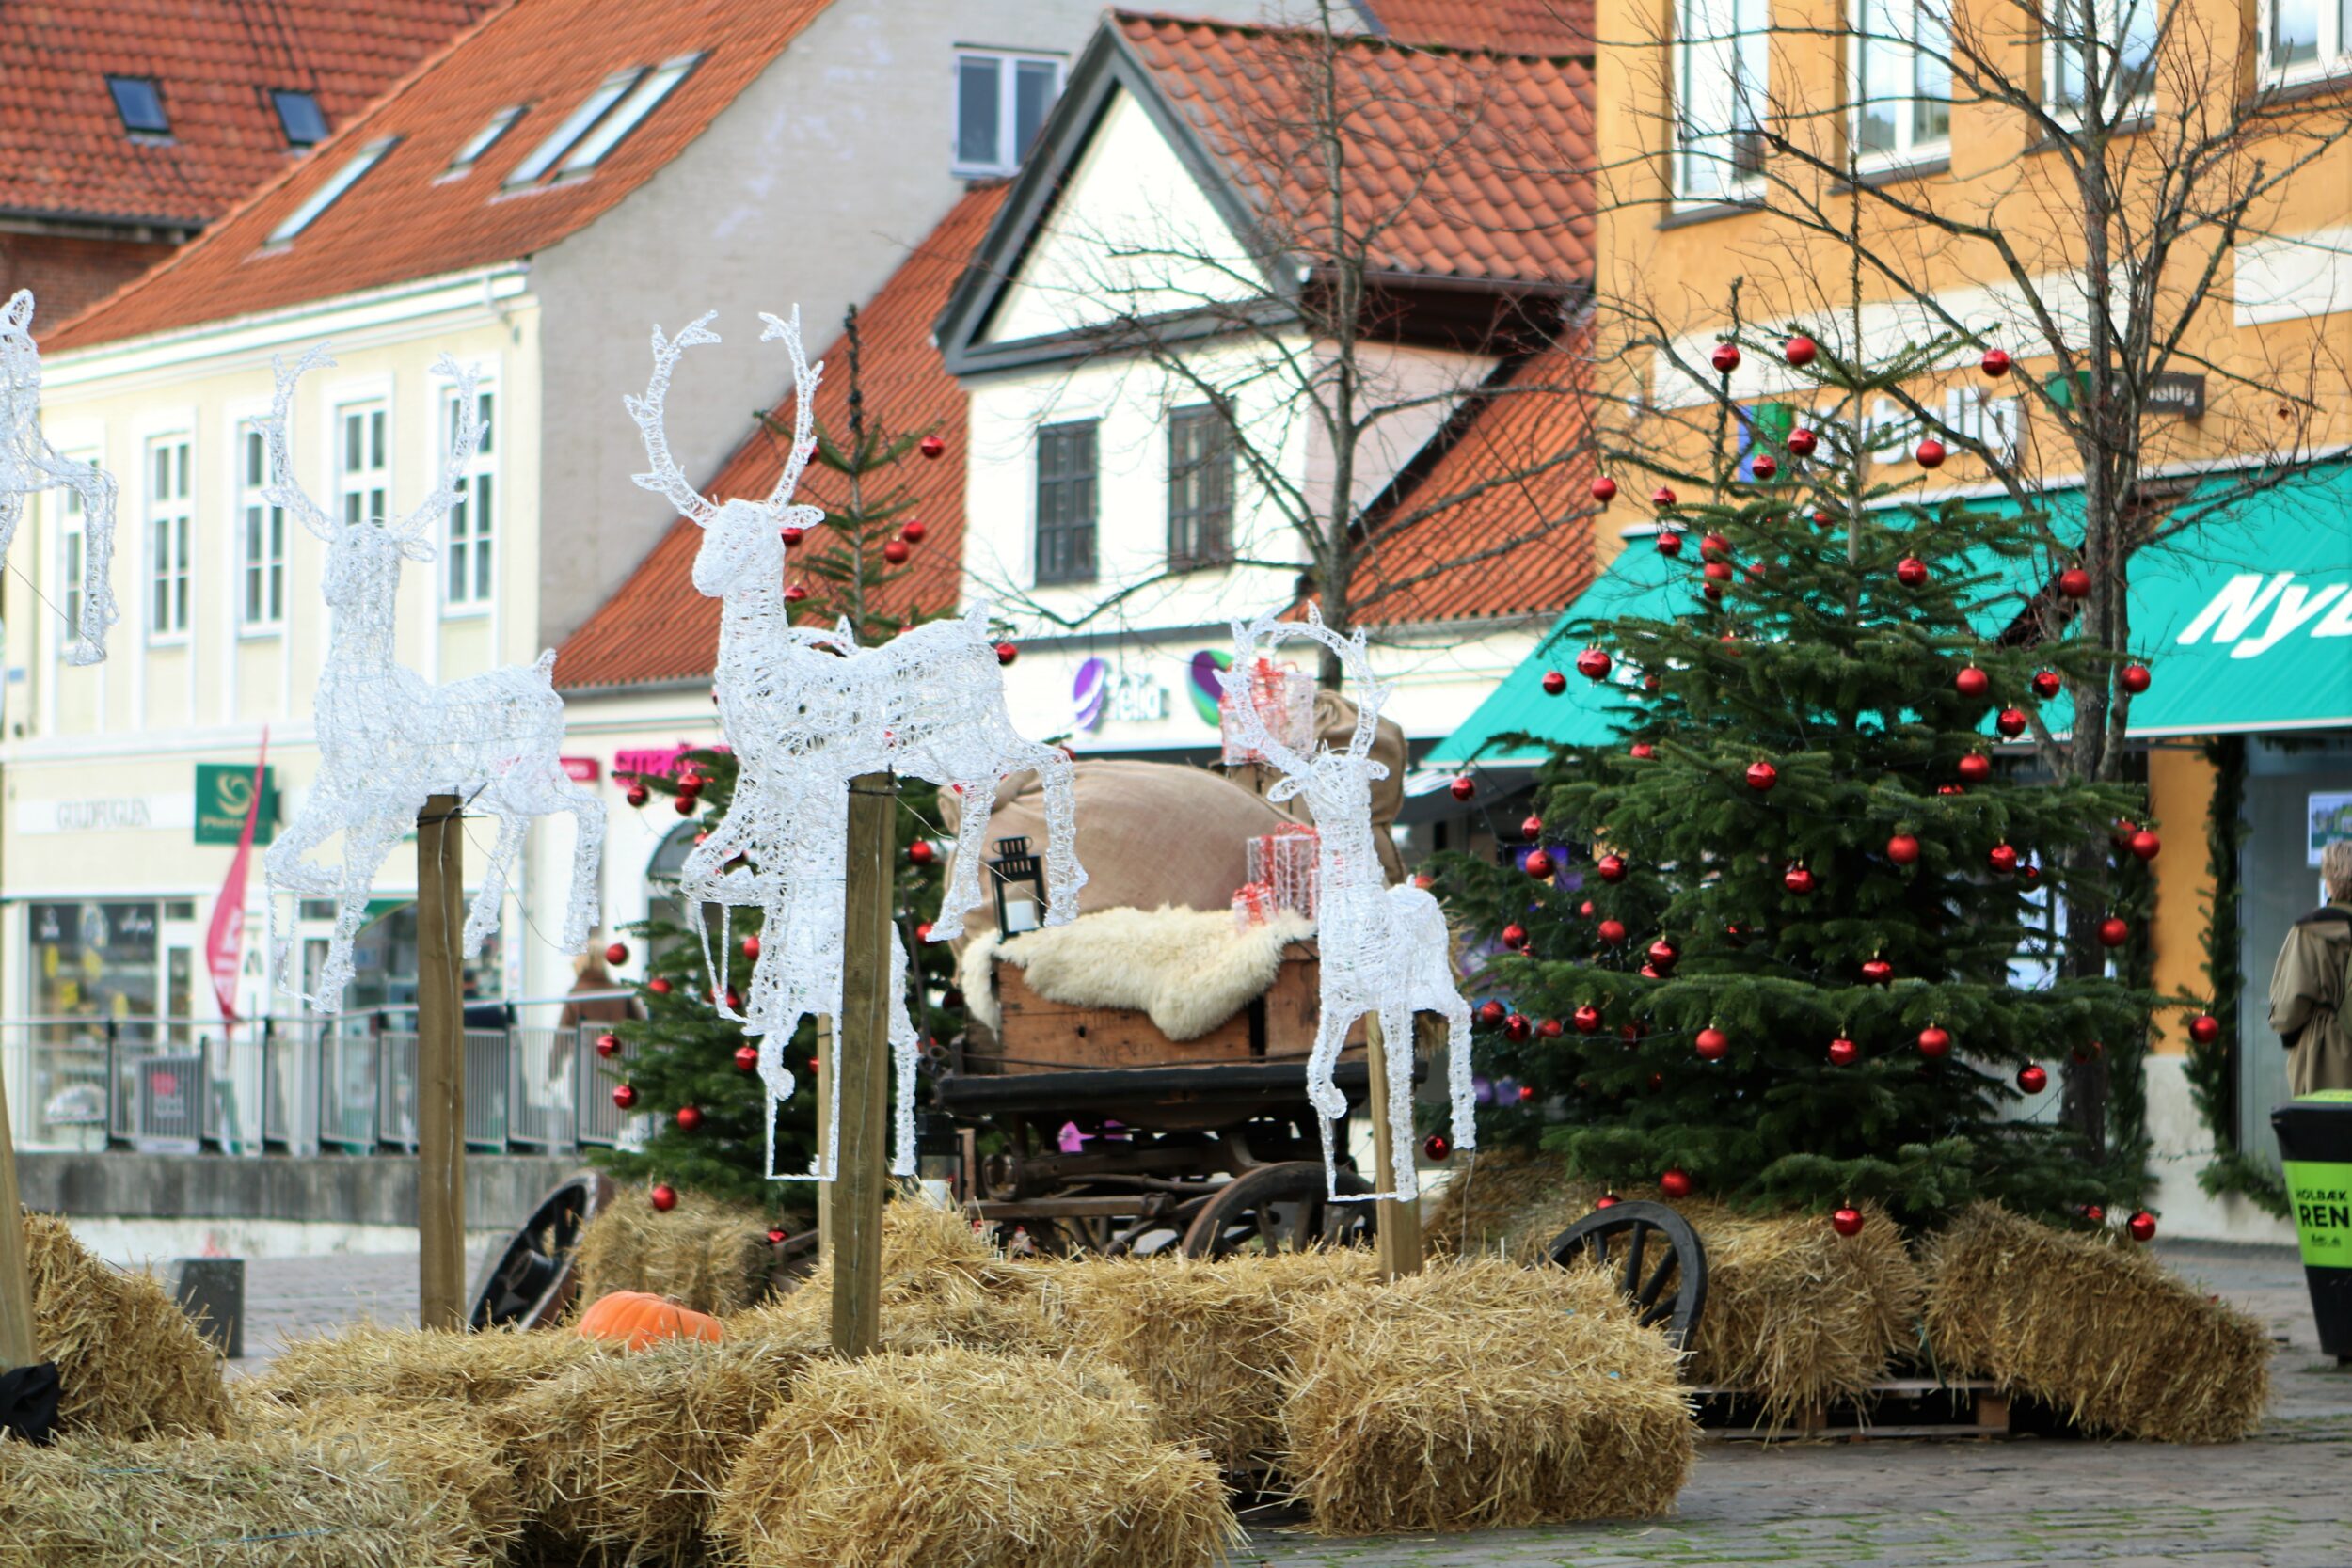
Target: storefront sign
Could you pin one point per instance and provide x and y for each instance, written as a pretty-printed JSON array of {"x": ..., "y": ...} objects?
[
  {"x": 2179, "y": 393},
  {"x": 223, "y": 791},
  {"x": 106, "y": 814},
  {"x": 2321, "y": 1194},
  {"x": 2330, "y": 819},
  {"x": 649, "y": 762},
  {"x": 580, "y": 770}
]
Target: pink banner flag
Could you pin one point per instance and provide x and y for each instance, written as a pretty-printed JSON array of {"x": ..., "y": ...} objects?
[{"x": 224, "y": 942}]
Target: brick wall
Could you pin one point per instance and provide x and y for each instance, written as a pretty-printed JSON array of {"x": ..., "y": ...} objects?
[{"x": 67, "y": 273}]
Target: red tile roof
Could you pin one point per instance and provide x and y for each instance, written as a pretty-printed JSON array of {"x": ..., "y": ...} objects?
[
  {"x": 402, "y": 220},
  {"x": 1498, "y": 521},
  {"x": 63, "y": 148},
  {"x": 656, "y": 627},
  {"x": 1461, "y": 164},
  {"x": 1553, "y": 28}
]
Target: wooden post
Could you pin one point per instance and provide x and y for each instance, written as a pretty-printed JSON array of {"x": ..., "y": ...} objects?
[
  {"x": 1398, "y": 1235},
  {"x": 440, "y": 1067},
  {"x": 18, "y": 1347},
  {"x": 864, "y": 1044}
]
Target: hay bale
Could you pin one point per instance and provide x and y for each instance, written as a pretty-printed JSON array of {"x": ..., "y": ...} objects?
[
  {"x": 2095, "y": 1326},
  {"x": 707, "y": 1253},
  {"x": 442, "y": 1452},
  {"x": 130, "y": 1364},
  {"x": 1507, "y": 1200},
  {"x": 1203, "y": 1339},
  {"x": 964, "y": 1457},
  {"x": 1480, "y": 1394},
  {"x": 420, "y": 1369},
  {"x": 620, "y": 1460},
  {"x": 1797, "y": 1315},
  {"x": 277, "y": 1501}
]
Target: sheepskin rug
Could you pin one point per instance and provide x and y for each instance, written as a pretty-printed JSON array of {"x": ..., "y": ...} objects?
[{"x": 1188, "y": 969}]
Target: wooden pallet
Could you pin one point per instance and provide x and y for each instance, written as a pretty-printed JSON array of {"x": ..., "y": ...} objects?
[{"x": 1896, "y": 1407}]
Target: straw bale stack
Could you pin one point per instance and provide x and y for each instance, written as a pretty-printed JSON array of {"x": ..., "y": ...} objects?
[
  {"x": 418, "y": 1369},
  {"x": 1480, "y": 1394},
  {"x": 706, "y": 1254},
  {"x": 2096, "y": 1327},
  {"x": 620, "y": 1460},
  {"x": 1204, "y": 1339},
  {"x": 969, "y": 1458},
  {"x": 277, "y": 1501},
  {"x": 130, "y": 1364}
]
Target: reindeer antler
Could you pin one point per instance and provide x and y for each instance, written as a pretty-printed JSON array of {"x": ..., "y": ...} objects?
[
  {"x": 665, "y": 478},
  {"x": 281, "y": 489},
  {"x": 464, "y": 441},
  {"x": 804, "y": 382}
]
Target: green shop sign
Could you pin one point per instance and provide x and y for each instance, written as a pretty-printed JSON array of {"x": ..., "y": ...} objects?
[
  {"x": 2320, "y": 1193},
  {"x": 223, "y": 791}
]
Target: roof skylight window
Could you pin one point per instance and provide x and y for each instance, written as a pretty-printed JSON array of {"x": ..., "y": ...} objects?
[
  {"x": 574, "y": 126},
  {"x": 483, "y": 140},
  {"x": 299, "y": 113},
  {"x": 140, "y": 102},
  {"x": 329, "y": 193},
  {"x": 643, "y": 100}
]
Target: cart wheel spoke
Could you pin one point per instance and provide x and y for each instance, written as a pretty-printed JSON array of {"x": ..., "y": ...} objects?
[{"x": 1678, "y": 1258}]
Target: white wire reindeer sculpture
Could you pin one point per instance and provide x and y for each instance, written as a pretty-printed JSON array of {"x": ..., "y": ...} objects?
[
  {"x": 1383, "y": 950},
  {"x": 806, "y": 711},
  {"x": 28, "y": 464},
  {"x": 388, "y": 739}
]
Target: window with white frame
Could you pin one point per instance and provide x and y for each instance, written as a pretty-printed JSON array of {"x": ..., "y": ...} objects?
[
  {"x": 171, "y": 519},
  {"x": 362, "y": 462},
  {"x": 1902, "y": 81},
  {"x": 2105, "y": 45},
  {"x": 1001, "y": 103},
  {"x": 1722, "y": 49},
  {"x": 470, "y": 570},
  {"x": 2306, "y": 39},
  {"x": 72, "y": 540},
  {"x": 260, "y": 537}
]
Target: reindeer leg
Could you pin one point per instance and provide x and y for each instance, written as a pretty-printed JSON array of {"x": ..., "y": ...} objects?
[
  {"x": 482, "y": 915},
  {"x": 1396, "y": 1040},
  {"x": 1323, "y": 1092},
  {"x": 365, "y": 848},
  {"x": 96, "y": 489},
  {"x": 964, "y": 884},
  {"x": 1464, "y": 1103},
  {"x": 1064, "y": 875},
  {"x": 904, "y": 1048}
]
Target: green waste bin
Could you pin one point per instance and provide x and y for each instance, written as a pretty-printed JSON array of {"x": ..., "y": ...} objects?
[{"x": 2315, "y": 1144}]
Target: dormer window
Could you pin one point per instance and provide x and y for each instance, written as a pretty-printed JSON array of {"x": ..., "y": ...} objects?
[
  {"x": 299, "y": 116},
  {"x": 331, "y": 192},
  {"x": 483, "y": 140},
  {"x": 140, "y": 102},
  {"x": 603, "y": 120}
]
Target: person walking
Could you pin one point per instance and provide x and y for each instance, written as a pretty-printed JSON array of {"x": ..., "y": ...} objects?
[
  {"x": 2306, "y": 985},
  {"x": 584, "y": 1006}
]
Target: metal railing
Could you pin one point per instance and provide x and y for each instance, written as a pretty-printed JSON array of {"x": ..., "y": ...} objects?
[{"x": 345, "y": 1082}]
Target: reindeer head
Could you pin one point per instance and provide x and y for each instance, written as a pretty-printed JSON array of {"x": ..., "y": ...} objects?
[
  {"x": 742, "y": 539},
  {"x": 1337, "y": 784},
  {"x": 20, "y": 360},
  {"x": 363, "y": 554}
]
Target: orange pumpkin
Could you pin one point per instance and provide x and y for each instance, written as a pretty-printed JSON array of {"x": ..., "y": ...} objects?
[{"x": 635, "y": 1319}]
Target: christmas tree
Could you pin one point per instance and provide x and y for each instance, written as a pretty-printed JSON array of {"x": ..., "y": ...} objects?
[
  {"x": 1797, "y": 937},
  {"x": 690, "y": 1069}
]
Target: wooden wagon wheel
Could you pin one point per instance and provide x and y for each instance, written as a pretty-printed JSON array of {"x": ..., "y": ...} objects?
[
  {"x": 1644, "y": 1233},
  {"x": 1281, "y": 1208},
  {"x": 528, "y": 1283}
]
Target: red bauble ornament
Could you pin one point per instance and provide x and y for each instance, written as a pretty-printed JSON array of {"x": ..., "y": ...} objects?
[
  {"x": 922, "y": 931},
  {"x": 1762, "y": 776},
  {"x": 913, "y": 530},
  {"x": 1674, "y": 1184},
  {"x": 2032, "y": 1079},
  {"x": 2010, "y": 722},
  {"x": 1714, "y": 546},
  {"x": 1842, "y": 1051},
  {"x": 1846, "y": 1221},
  {"x": 1642, "y": 750},
  {"x": 735, "y": 999},
  {"x": 1930, "y": 452},
  {"x": 1539, "y": 863},
  {"x": 1934, "y": 1043},
  {"x": 1610, "y": 867},
  {"x": 1463, "y": 787},
  {"x": 2074, "y": 583},
  {"x": 1612, "y": 931},
  {"x": 688, "y": 1118},
  {"x": 791, "y": 536},
  {"x": 1586, "y": 1019},
  {"x": 1798, "y": 880},
  {"x": 1438, "y": 1147},
  {"x": 1606, "y": 1200},
  {"x": 1972, "y": 682},
  {"x": 1712, "y": 1044},
  {"x": 1554, "y": 683},
  {"x": 795, "y": 594},
  {"x": 751, "y": 946},
  {"x": 777, "y": 1235},
  {"x": 2003, "y": 859},
  {"x": 2120, "y": 834},
  {"x": 747, "y": 1058},
  {"x": 921, "y": 852},
  {"x": 1514, "y": 935},
  {"x": 1798, "y": 350},
  {"x": 2046, "y": 684},
  {"x": 1910, "y": 571},
  {"x": 1995, "y": 363},
  {"x": 2114, "y": 931},
  {"x": 685, "y": 804},
  {"x": 1604, "y": 489},
  {"x": 896, "y": 551},
  {"x": 624, "y": 1094},
  {"x": 1762, "y": 465},
  {"x": 1714, "y": 591},
  {"x": 2204, "y": 1028},
  {"x": 930, "y": 446},
  {"x": 1492, "y": 1013},
  {"x": 658, "y": 986},
  {"x": 1669, "y": 541},
  {"x": 1663, "y": 954},
  {"x": 1975, "y": 767},
  {"x": 1725, "y": 358},
  {"x": 616, "y": 953},
  {"x": 1008, "y": 652},
  {"x": 1530, "y": 827},
  {"x": 2095, "y": 1214},
  {"x": 608, "y": 1044},
  {"x": 1802, "y": 441},
  {"x": 2134, "y": 678},
  {"x": 1950, "y": 790},
  {"x": 1550, "y": 1029},
  {"x": 663, "y": 1197},
  {"x": 1592, "y": 664},
  {"x": 2142, "y": 1226},
  {"x": 1649, "y": 972},
  {"x": 1877, "y": 971},
  {"x": 1517, "y": 1027},
  {"x": 1663, "y": 495},
  {"x": 2145, "y": 845},
  {"x": 1904, "y": 850},
  {"x": 638, "y": 795}
]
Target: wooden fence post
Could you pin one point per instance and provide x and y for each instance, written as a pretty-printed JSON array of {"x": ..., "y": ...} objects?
[
  {"x": 440, "y": 1067},
  {"x": 864, "y": 1029},
  {"x": 1397, "y": 1237},
  {"x": 18, "y": 1347}
]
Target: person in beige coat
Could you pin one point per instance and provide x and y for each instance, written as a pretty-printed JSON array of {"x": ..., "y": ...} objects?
[{"x": 2307, "y": 986}]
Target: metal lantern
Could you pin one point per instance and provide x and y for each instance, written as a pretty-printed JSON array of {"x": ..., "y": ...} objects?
[{"x": 1019, "y": 878}]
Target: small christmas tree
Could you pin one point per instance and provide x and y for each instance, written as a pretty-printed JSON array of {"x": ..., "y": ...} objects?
[
  {"x": 692, "y": 1071},
  {"x": 1789, "y": 940}
]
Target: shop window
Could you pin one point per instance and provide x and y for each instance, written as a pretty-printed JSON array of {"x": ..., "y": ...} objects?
[
  {"x": 260, "y": 537},
  {"x": 171, "y": 520},
  {"x": 93, "y": 960},
  {"x": 1902, "y": 83},
  {"x": 1722, "y": 54},
  {"x": 1199, "y": 488},
  {"x": 2107, "y": 46},
  {"x": 1065, "y": 502},
  {"x": 468, "y": 562},
  {"x": 1001, "y": 104}
]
